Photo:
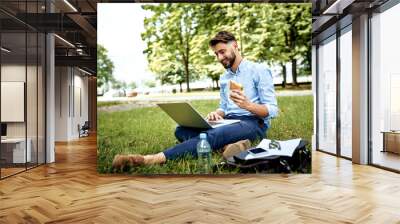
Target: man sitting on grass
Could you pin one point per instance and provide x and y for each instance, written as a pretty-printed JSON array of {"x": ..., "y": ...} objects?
[{"x": 253, "y": 102}]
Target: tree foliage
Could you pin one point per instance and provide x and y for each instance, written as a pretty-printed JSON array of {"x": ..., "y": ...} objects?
[
  {"x": 132, "y": 85},
  {"x": 120, "y": 85},
  {"x": 177, "y": 37},
  {"x": 169, "y": 34},
  {"x": 105, "y": 68},
  {"x": 150, "y": 83}
]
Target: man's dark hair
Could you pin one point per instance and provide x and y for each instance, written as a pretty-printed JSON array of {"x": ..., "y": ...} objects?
[{"x": 222, "y": 37}]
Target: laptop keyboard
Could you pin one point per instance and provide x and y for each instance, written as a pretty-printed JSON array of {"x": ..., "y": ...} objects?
[{"x": 215, "y": 122}]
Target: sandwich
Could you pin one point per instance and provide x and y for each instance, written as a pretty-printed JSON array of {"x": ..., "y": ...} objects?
[{"x": 235, "y": 85}]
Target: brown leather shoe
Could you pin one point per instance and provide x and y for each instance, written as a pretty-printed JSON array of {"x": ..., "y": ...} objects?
[
  {"x": 235, "y": 148},
  {"x": 122, "y": 161}
]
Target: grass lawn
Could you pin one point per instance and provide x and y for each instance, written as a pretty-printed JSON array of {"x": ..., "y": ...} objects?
[
  {"x": 109, "y": 103},
  {"x": 150, "y": 130}
]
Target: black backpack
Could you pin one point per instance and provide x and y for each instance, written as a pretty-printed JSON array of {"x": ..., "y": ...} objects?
[{"x": 300, "y": 162}]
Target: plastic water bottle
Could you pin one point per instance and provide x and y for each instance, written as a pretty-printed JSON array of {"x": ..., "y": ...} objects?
[{"x": 204, "y": 154}]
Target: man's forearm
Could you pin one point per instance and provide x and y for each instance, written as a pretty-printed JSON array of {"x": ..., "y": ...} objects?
[
  {"x": 220, "y": 113},
  {"x": 257, "y": 109}
]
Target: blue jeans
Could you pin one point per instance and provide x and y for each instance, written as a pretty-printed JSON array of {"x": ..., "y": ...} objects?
[{"x": 248, "y": 128}]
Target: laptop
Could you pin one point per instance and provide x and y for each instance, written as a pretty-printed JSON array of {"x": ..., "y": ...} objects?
[{"x": 186, "y": 116}]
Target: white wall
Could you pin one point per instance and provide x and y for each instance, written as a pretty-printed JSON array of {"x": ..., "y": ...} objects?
[
  {"x": 62, "y": 81},
  {"x": 80, "y": 109},
  {"x": 34, "y": 124},
  {"x": 16, "y": 73},
  {"x": 71, "y": 94}
]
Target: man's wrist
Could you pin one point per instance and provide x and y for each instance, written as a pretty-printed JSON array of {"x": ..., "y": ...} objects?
[
  {"x": 220, "y": 113},
  {"x": 249, "y": 106},
  {"x": 256, "y": 109}
]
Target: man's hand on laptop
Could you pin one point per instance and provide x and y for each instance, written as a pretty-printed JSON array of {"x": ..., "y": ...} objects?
[{"x": 214, "y": 116}]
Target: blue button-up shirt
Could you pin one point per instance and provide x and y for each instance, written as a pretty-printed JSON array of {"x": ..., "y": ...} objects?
[{"x": 258, "y": 88}]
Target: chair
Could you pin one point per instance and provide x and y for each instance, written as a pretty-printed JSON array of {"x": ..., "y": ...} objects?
[{"x": 84, "y": 130}]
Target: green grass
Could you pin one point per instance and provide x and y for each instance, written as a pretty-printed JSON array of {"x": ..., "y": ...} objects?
[
  {"x": 150, "y": 130},
  {"x": 291, "y": 88},
  {"x": 109, "y": 103}
]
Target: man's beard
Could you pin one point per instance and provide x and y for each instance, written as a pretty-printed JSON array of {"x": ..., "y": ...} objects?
[{"x": 231, "y": 60}]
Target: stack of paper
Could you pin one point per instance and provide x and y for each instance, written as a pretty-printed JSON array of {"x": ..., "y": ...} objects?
[{"x": 287, "y": 149}]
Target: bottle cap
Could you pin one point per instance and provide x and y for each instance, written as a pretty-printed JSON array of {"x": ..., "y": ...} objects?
[{"x": 203, "y": 136}]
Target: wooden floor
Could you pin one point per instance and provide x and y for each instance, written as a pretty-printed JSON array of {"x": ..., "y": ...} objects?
[
  {"x": 10, "y": 171},
  {"x": 70, "y": 191},
  {"x": 387, "y": 159}
]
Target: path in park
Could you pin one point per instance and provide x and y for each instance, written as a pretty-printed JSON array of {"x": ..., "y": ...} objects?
[{"x": 152, "y": 101}]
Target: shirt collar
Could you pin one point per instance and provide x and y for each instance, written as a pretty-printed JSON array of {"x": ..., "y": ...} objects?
[{"x": 239, "y": 68}]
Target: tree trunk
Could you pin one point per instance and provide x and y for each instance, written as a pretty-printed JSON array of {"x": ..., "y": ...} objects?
[
  {"x": 294, "y": 72},
  {"x": 187, "y": 77},
  {"x": 293, "y": 42},
  {"x": 284, "y": 75},
  {"x": 185, "y": 56},
  {"x": 217, "y": 84},
  {"x": 180, "y": 87},
  {"x": 214, "y": 87},
  {"x": 187, "y": 60}
]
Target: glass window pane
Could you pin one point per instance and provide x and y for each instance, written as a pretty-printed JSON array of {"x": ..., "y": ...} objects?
[
  {"x": 385, "y": 88},
  {"x": 327, "y": 95},
  {"x": 41, "y": 98},
  {"x": 346, "y": 92},
  {"x": 31, "y": 97},
  {"x": 13, "y": 87},
  {"x": 23, "y": 87}
]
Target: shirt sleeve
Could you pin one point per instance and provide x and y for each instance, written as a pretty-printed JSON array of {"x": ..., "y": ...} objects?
[{"x": 266, "y": 91}]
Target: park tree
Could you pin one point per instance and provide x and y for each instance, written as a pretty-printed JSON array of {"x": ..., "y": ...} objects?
[
  {"x": 169, "y": 33},
  {"x": 132, "y": 85},
  {"x": 105, "y": 68},
  {"x": 270, "y": 45},
  {"x": 282, "y": 36},
  {"x": 174, "y": 74},
  {"x": 120, "y": 85},
  {"x": 295, "y": 20},
  {"x": 150, "y": 83},
  {"x": 211, "y": 19},
  {"x": 177, "y": 37}
]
